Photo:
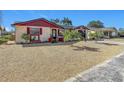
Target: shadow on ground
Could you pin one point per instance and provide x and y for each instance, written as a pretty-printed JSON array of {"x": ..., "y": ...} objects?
[
  {"x": 48, "y": 44},
  {"x": 77, "y": 48},
  {"x": 109, "y": 44}
]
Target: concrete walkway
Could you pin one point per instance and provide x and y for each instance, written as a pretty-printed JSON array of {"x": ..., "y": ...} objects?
[{"x": 110, "y": 71}]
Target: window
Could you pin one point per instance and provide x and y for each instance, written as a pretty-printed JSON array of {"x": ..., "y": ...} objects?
[
  {"x": 60, "y": 33},
  {"x": 34, "y": 31}
]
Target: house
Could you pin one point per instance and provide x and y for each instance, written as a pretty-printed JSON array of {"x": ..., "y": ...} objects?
[
  {"x": 121, "y": 32},
  {"x": 0, "y": 32},
  {"x": 1, "y": 29},
  {"x": 108, "y": 32},
  {"x": 83, "y": 30},
  {"x": 39, "y": 30},
  {"x": 69, "y": 28}
]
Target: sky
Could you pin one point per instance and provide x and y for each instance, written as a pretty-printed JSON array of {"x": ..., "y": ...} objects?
[{"x": 110, "y": 18}]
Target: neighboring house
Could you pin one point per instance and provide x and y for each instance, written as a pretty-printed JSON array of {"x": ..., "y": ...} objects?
[
  {"x": 70, "y": 28},
  {"x": 39, "y": 30},
  {"x": 121, "y": 32},
  {"x": 107, "y": 31},
  {"x": 0, "y": 32},
  {"x": 83, "y": 30}
]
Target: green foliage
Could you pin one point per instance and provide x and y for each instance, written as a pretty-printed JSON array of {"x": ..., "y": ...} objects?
[
  {"x": 96, "y": 35},
  {"x": 96, "y": 24},
  {"x": 121, "y": 32},
  {"x": 25, "y": 37},
  {"x": 5, "y": 38},
  {"x": 92, "y": 35},
  {"x": 2, "y": 40},
  {"x": 72, "y": 35},
  {"x": 8, "y": 37},
  {"x": 65, "y": 21}
]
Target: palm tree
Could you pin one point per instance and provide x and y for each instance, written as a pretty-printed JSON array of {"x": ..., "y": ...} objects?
[{"x": 66, "y": 21}]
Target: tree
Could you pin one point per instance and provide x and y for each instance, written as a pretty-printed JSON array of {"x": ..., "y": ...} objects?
[
  {"x": 66, "y": 21},
  {"x": 96, "y": 24},
  {"x": 1, "y": 28},
  {"x": 57, "y": 21}
]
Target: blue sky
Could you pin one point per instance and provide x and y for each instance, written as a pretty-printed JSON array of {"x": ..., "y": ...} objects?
[{"x": 110, "y": 18}]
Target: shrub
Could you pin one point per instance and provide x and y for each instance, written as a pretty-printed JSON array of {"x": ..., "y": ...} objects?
[
  {"x": 96, "y": 35},
  {"x": 3, "y": 40},
  {"x": 9, "y": 37},
  {"x": 71, "y": 35},
  {"x": 25, "y": 37}
]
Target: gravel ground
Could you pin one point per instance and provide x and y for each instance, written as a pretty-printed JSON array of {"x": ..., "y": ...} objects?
[{"x": 51, "y": 62}]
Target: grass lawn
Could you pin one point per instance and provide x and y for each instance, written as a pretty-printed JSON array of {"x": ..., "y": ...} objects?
[{"x": 52, "y": 63}]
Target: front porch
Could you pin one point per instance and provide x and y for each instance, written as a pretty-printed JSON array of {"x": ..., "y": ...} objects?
[{"x": 56, "y": 36}]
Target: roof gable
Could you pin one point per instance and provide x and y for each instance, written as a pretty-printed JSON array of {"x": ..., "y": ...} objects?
[{"x": 38, "y": 22}]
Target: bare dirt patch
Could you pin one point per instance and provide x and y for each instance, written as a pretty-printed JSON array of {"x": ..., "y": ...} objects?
[{"x": 52, "y": 62}]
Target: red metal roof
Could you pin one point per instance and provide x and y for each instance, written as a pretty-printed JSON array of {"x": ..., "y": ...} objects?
[{"x": 38, "y": 22}]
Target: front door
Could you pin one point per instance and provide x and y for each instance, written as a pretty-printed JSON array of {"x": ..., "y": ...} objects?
[{"x": 54, "y": 34}]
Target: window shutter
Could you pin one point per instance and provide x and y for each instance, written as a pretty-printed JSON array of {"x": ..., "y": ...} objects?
[
  {"x": 28, "y": 30},
  {"x": 58, "y": 32},
  {"x": 41, "y": 31}
]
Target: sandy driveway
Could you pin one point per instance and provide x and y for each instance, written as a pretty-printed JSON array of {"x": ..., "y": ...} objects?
[{"x": 51, "y": 63}]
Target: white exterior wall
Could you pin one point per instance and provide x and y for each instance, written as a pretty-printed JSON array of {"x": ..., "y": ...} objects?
[
  {"x": 19, "y": 31},
  {"x": 46, "y": 32},
  {"x": 114, "y": 34}
]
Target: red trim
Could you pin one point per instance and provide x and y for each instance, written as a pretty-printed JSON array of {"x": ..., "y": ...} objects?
[
  {"x": 41, "y": 31},
  {"x": 61, "y": 39},
  {"x": 39, "y": 22},
  {"x": 35, "y": 41},
  {"x": 58, "y": 32},
  {"x": 49, "y": 39},
  {"x": 28, "y": 30}
]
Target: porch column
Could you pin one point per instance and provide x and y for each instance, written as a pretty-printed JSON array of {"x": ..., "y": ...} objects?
[{"x": 108, "y": 34}]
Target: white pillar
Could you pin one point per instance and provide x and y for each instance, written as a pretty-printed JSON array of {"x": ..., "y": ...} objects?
[{"x": 108, "y": 35}]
